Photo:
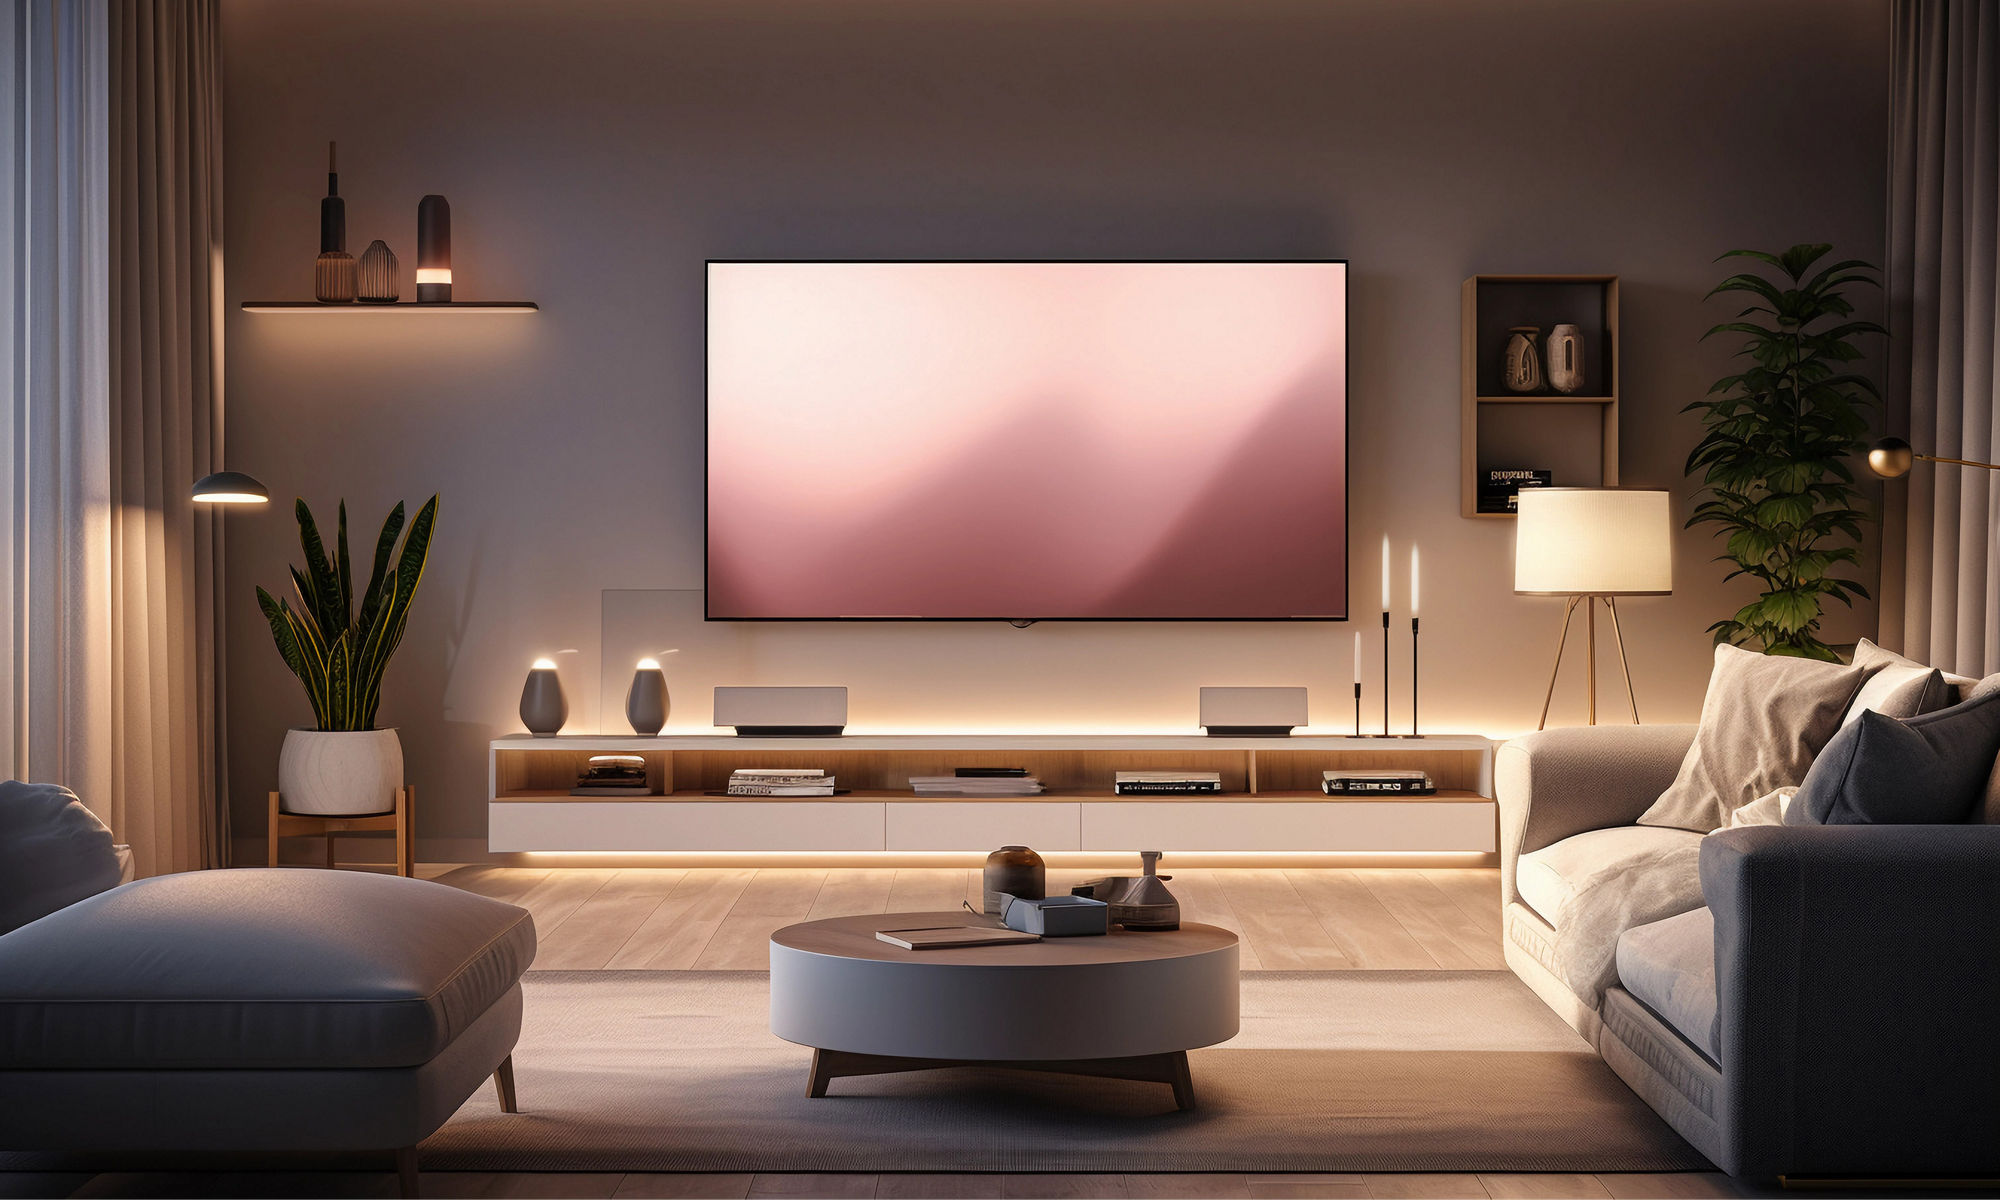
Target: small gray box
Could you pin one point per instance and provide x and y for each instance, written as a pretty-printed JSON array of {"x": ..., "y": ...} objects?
[
  {"x": 1057, "y": 916},
  {"x": 1252, "y": 711},
  {"x": 782, "y": 711}
]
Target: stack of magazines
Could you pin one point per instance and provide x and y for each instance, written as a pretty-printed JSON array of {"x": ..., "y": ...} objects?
[
  {"x": 979, "y": 781},
  {"x": 779, "y": 781},
  {"x": 1377, "y": 783},
  {"x": 1167, "y": 783}
]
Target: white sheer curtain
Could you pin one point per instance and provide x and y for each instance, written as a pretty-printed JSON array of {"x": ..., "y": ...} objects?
[
  {"x": 55, "y": 460},
  {"x": 1940, "y": 567}
]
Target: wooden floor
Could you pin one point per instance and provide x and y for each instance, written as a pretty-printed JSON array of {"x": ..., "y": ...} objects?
[{"x": 720, "y": 919}]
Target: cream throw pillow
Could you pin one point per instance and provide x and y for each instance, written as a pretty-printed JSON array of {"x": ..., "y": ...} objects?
[
  {"x": 1764, "y": 719},
  {"x": 1899, "y": 687},
  {"x": 1764, "y": 810}
]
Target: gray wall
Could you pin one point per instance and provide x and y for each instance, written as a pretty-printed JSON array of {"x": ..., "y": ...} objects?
[{"x": 596, "y": 152}]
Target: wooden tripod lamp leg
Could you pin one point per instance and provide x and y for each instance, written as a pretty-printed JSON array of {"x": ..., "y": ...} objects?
[
  {"x": 1618, "y": 637},
  {"x": 1555, "y": 669},
  {"x": 271, "y": 855}
]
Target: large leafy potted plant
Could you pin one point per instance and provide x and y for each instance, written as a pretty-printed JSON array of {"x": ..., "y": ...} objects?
[
  {"x": 344, "y": 765},
  {"x": 1780, "y": 435}
]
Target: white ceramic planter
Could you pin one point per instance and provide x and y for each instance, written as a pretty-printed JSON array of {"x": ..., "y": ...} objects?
[{"x": 340, "y": 774}]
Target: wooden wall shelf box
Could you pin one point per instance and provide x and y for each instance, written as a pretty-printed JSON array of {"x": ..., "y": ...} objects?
[
  {"x": 461, "y": 307},
  {"x": 1271, "y": 800},
  {"x": 1574, "y": 436}
]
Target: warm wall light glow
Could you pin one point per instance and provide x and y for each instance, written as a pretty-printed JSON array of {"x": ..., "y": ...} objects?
[
  {"x": 229, "y": 487},
  {"x": 433, "y": 274},
  {"x": 231, "y": 498},
  {"x": 649, "y": 664},
  {"x": 545, "y": 664}
]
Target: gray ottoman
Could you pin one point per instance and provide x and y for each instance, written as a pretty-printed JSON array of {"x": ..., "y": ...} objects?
[{"x": 258, "y": 1010}]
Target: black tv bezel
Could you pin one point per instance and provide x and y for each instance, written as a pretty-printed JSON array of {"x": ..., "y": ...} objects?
[{"x": 1346, "y": 444}]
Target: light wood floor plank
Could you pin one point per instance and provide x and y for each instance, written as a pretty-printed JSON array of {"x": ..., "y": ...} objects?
[
  {"x": 1287, "y": 934},
  {"x": 927, "y": 889},
  {"x": 914, "y": 1186},
  {"x": 1444, "y": 931},
  {"x": 1062, "y": 1187},
  {"x": 852, "y": 891},
  {"x": 495, "y": 883},
  {"x": 1669, "y": 1185},
  {"x": 1308, "y": 1187},
  {"x": 1187, "y": 1187},
  {"x": 780, "y": 892},
  {"x": 1544, "y": 1186},
  {"x": 680, "y": 928},
  {"x": 1204, "y": 901},
  {"x": 1366, "y": 932},
  {"x": 1476, "y": 891},
  {"x": 1425, "y": 1187},
  {"x": 557, "y": 1185},
  {"x": 605, "y": 922},
  {"x": 563, "y": 892}
]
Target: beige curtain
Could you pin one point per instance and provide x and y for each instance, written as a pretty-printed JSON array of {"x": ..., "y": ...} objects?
[
  {"x": 1940, "y": 569},
  {"x": 166, "y": 431},
  {"x": 55, "y": 560}
]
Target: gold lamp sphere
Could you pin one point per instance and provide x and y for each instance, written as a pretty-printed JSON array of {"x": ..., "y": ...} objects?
[{"x": 1891, "y": 458}]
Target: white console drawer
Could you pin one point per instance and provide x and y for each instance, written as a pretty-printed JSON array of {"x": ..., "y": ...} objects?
[
  {"x": 982, "y": 825},
  {"x": 654, "y": 825},
  {"x": 1296, "y": 826}
]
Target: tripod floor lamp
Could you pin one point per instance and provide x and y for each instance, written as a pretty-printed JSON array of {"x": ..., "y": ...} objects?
[{"x": 1591, "y": 544}]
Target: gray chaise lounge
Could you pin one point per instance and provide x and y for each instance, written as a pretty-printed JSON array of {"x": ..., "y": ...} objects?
[
  {"x": 1832, "y": 1009},
  {"x": 252, "y": 1010}
]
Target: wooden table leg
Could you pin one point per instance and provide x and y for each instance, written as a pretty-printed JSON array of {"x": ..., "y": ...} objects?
[{"x": 503, "y": 1082}]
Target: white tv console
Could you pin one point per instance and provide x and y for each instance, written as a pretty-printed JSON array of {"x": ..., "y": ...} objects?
[{"x": 1271, "y": 800}]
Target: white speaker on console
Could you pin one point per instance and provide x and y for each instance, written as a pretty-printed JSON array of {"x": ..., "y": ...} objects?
[
  {"x": 782, "y": 711},
  {"x": 1252, "y": 711}
]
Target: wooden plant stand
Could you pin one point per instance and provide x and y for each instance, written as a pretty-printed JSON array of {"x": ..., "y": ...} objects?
[{"x": 400, "y": 820}]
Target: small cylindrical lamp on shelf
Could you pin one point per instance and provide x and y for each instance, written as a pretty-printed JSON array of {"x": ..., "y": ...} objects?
[
  {"x": 544, "y": 708},
  {"x": 433, "y": 250},
  {"x": 646, "y": 701},
  {"x": 1592, "y": 544}
]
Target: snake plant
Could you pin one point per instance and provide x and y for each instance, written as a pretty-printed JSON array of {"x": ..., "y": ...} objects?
[
  {"x": 340, "y": 655},
  {"x": 1779, "y": 436}
]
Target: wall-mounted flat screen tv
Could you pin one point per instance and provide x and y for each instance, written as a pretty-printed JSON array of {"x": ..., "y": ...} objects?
[{"x": 1027, "y": 441}]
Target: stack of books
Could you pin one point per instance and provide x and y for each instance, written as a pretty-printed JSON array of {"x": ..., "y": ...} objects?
[
  {"x": 979, "y": 781},
  {"x": 1167, "y": 783},
  {"x": 1377, "y": 783},
  {"x": 1500, "y": 490},
  {"x": 779, "y": 781},
  {"x": 612, "y": 775}
]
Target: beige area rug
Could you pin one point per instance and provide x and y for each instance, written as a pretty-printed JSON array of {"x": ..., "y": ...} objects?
[{"x": 1333, "y": 1071}]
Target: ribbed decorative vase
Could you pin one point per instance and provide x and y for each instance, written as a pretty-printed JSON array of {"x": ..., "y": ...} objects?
[
  {"x": 646, "y": 703},
  {"x": 376, "y": 275},
  {"x": 543, "y": 705},
  {"x": 340, "y": 774},
  {"x": 1565, "y": 354},
  {"x": 1522, "y": 370},
  {"x": 333, "y": 278}
]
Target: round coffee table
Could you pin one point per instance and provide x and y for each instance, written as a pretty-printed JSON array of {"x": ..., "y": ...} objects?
[{"x": 1124, "y": 1005}]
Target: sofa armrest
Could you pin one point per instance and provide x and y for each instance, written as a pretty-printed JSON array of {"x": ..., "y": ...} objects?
[
  {"x": 1857, "y": 987},
  {"x": 1561, "y": 782}
]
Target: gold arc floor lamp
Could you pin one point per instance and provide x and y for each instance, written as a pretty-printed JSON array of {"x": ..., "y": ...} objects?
[
  {"x": 1591, "y": 544},
  {"x": 1892, "y": 458}
]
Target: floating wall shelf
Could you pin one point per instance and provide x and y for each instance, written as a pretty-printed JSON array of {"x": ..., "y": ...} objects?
[{"x": 455, "y": 306}]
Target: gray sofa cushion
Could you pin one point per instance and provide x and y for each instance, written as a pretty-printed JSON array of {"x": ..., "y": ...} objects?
[
  {"x": 257, "y": 968},
  {"x": 1928, "y": 770},
  {"x": 53, "y": 852},
  {"x": 1763, "y": 720},
  {"x": 1670, "y": 967}
]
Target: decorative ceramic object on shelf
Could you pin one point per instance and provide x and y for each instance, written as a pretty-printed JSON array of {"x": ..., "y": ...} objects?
[
  {"x": 377, "y": 275},
  {"x": 333, "y": 273},
  {"x": 433, "y": 250},
  {"x": 646, "y": 702},
  {"x": 341, "y": 773},
  {"x": 543, "y": 705},
  {"x": 344, "y": 765},
  {"x": 1565, "y": 352},
  {"x": 1522, "y": 371},
  {"x": 333, "y": 278},
  {"x": 1013, "y": 871}
]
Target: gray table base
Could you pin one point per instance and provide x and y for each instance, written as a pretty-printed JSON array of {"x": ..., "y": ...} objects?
[{"x": 1170, "y": 1069}]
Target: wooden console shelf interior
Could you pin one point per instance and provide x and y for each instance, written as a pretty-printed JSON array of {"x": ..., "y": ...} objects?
[
  {"x": 1573, "y": 436},
  {"x": 461, "y": 307}
]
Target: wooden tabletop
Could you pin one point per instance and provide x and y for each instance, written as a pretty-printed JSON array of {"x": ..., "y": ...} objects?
[{"x": 854, "y": 937}]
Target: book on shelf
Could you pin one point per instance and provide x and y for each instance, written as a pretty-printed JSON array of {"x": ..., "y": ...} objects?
[
  {"x": 989, "y": 772},
  {"x": 1377, "y": 783},
  {"x": 817, "y": 787},
  {"x": 1500, "y": 489},
  {"x": 612, "y": 775},
  {"x": 1188, "y": 787},
  {"x": 977, "y": 785},
  {"x": 1168, "y": 777}
]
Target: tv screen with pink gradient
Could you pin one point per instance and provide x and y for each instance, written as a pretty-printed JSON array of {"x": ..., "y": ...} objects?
[{"x": 1027, "y": 440}]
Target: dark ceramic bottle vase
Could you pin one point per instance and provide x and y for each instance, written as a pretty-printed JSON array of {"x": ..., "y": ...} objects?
[{"x": 1015, "y": 871}]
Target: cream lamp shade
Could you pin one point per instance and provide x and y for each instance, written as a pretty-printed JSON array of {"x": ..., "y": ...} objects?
[{"x": 1594, "y": 542}]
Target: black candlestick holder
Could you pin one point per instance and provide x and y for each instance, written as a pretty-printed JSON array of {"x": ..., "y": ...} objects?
[
  {"x": 1357, "y": 708},
  {"x": 1413, "y": 679},
  {"x": 1385, "y": 674}
]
